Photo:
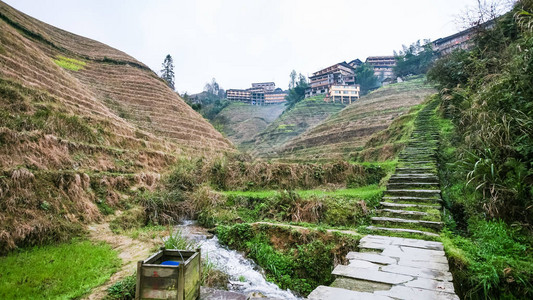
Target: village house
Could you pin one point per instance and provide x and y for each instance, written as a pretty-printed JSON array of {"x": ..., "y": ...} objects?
[
  {"x": 336, "y": 83},
  {"x": 261, "y": 93},
  {"x": 383, "y": 66}
]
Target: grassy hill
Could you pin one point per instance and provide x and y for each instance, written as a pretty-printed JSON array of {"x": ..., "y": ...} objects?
[
  {"x": 304, "y": 115},
  {"x": 82, "y": 125},
  {"x": 348, "y": 130},
  {"x": 243, "y": 122}
]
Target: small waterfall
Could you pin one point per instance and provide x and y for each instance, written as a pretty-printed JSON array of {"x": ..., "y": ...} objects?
[{"x": 245, "y": 275}]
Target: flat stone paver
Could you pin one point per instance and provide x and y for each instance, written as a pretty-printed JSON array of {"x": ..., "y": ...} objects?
[
  {"x": 410, "y": 293},
  {"x": 326, "y": 292},
  {"x": 419, "y": 272},
  {"x": 371, "y": 275},
  {"x": 362, "y": 264},
  {"x": 431, "y": 284},
  {"x": 403, "y": 230},
  {"x": 375, "y": 258}
]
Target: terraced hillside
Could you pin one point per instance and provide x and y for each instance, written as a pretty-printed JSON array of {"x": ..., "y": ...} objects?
[
  {"x": 93, "y": 79},
  {"x": 82, "y": 125},
  {"x": 304, "y": 115},
  {"x": 350, "y": 129},
  {"x": 243, "y": 122}
]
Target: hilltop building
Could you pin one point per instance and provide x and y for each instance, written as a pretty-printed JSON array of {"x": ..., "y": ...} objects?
[
  {"x": 355, "y": 63},
  {"x": 460, "y": 40},
  {"x": 336, "y": 82},
  {"x": 383, "y": 66},
  {"x": 261, "y": 93}
]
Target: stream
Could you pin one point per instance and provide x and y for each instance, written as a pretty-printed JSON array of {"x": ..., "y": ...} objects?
[{"x": 245, "y": 275}]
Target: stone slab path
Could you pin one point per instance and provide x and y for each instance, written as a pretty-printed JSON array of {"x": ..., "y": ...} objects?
[{"x": 401, "y": 268}]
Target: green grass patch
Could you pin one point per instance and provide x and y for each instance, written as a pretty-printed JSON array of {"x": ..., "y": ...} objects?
[
  {"x": 291, "y": 258},
  {"x": 342, "y": 207},
  {"x": 361, "y": 193},
  {"x": 63, "y": 271},
  {"x": 69, "y": 63}
]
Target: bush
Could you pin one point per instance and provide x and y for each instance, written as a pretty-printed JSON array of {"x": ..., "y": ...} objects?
[{"x": 123, "y": 289}]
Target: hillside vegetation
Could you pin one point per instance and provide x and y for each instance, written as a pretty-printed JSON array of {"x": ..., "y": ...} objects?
[
  {"x": 302, "y": 116},
  {"x": 82, "y": 126},
  {"x": 487, "y": 158},
  {"x": 348, "y": 130},
  {"x": 241, "y": 122}
]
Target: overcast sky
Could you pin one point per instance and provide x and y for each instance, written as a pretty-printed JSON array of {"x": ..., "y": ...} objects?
[{"x": 244, "y": 41}]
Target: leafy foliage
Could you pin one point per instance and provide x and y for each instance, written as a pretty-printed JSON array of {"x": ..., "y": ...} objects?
[
  {"x": 487, "y": 93},
  {"x": 167, "y": 73},
  {"x": 413, "y": 60},
  {"x": 297, "y": 90},
  {"x": 294, "y": 260},
  {"x": 488, "y": 157},
  {"x": 123, "y": 289},
  {"x": 365, "y": 77}
]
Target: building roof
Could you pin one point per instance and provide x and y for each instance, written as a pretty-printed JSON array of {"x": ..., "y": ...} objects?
[
  {"x": 386, "y": 57},
  {"x": 264, "y": 83},
  {"x": 467, "y": 31}
]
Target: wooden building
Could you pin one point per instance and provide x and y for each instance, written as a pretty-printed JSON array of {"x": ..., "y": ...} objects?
[{"x": 341, "y": 74}]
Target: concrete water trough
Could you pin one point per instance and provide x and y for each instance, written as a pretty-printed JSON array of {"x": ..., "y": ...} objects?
[{"x": 170, "y": 274}]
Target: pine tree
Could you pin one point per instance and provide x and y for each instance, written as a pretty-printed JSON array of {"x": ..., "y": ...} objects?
[{"x": 167, "y": 73}]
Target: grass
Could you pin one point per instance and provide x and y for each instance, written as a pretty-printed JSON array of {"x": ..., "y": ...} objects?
[
  {"x": 362, "y": 193},
  {"x": 342, "y": 207},
  {"x": 299, "y": 260},
  {"x": 69, "y": 63},
  {"x": 63, "y": 271}
]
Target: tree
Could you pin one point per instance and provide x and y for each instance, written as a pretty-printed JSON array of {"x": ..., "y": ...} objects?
[
  {"x": 365, "y": 77},
  {"x": 297, "y": 93},
  {"x": 292, "y": 82},
  {"x": 167, "y": 73},
  {"x": 413, "y": 60}
]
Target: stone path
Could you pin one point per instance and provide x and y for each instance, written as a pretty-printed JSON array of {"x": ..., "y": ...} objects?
[
  {"x": 401, "y": 268},
  {"x": 412, "y": 200}
]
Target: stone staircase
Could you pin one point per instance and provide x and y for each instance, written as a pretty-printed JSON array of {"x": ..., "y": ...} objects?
[
  {"x": 393, "y": 267},
  {"x": 412, "y": 202}
]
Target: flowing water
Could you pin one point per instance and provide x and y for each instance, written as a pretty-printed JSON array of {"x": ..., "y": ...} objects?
[{"x": 245, "y": 276}]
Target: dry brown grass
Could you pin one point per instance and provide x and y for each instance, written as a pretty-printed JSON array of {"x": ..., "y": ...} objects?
[{"x": 75, "y": 144}]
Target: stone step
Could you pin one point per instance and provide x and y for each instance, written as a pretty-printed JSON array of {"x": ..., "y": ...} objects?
[
  {"x": 414, "y": 293},
  {"x": 413, "y": 193},
  {"x": 371, "y": 257},
  {"x": 414, "y": 179},
  {"x": 370, "y": 275},
  {"x": 404, "y": 154},
  {"x": 407, "y": 222},
  {"x": 420, "y": 169},
  {"x": 399, "y": 213},
  {"x": 428, "y": 200},
  {"x": 412, "y": 175},
  {"x": 415, "y": 246},
  {"x": 403, "y": 205},
  {"x": 323, "y": 292},
  {"x": 418, "y": 162},
  {"x": 410, "y": 184},
  {"x": 402, "y": 230}
]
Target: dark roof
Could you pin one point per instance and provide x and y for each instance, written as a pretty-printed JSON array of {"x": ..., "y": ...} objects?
[
  {"x": 464, "y": 32},
  {"x": 380, "y": 57},
  {"x": 356, "y": 61},
  {"x": 264, "y": 83}
]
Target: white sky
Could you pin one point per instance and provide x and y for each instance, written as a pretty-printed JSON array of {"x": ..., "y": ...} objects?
[{"x": 243, "y": 41}]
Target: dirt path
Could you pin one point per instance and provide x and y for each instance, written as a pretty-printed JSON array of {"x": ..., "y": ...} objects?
[{"x": 129, "y": 251}]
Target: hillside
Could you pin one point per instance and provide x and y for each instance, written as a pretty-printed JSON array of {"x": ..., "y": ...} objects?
[
  {"x": 243, "y": 122},
  {"x": 81, "y": 126},
  {"x": 348, "y": 130},
  {"x": 304, "y": 115}
]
